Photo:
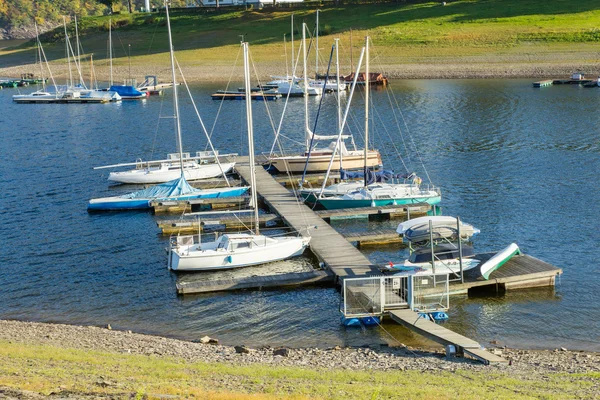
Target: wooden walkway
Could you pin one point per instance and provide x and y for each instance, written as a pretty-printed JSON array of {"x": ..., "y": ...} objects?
[
  {"x": 224, "y": 222},
  {"x": 374, "y": 237},
  {"x": 439, "y": 334},
  {"x": 331, "y": 248}
]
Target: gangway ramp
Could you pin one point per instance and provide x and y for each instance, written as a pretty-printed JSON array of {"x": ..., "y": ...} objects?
[{"x": 413, "y": 321}]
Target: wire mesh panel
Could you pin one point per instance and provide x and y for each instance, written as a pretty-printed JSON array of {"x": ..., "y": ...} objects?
[
  {"x": 362, "y": 296},
  {"x": 396, "y": 292},
  {"x": 430, "y": 292}
]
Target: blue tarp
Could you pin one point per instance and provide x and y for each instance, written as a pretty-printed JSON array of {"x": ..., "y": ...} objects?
[
  {"x": 125, "y": 90},
  {"x": 379, "y": 176},
  {"x": 176, "y": 187}
]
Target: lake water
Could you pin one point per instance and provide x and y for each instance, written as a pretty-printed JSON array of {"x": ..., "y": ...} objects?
[{"x": 519, "y": 163}]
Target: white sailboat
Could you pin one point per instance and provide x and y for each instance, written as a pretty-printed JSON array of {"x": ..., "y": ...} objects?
[
  {"x": 177, "y": 189},
  {"x": 204, "y": 165},
  {"x": 200, "y": 166},
  {"x": 317, "y": 159},
  {"x": 373, "y": 194},
  {"x": 235, "y": 250}
]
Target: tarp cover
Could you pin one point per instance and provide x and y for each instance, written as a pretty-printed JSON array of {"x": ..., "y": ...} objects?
[
  {"x": 380, "y": 176},
  {"x": 125, "y": 90},
  {"x": 176, "y": 187}
]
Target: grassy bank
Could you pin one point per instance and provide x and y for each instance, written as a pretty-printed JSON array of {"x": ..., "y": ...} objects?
[
  {"x": 46, "y": 370},
  {"x": 470, "y": 35}
]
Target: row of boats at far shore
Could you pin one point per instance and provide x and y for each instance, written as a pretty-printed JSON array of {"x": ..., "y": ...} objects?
[{"x": 72, "y": 92}]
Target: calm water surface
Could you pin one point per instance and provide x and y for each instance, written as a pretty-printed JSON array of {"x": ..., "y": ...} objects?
[{"x": 519, "y": 163}]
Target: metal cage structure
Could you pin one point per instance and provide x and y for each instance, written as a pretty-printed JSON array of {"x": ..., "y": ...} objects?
[{"x": 373, "y": 296}]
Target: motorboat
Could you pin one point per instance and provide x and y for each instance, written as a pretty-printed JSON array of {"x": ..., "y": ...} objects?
[
  {"x": 446, "y": 258},
  {"x": 444, "y": 227}
]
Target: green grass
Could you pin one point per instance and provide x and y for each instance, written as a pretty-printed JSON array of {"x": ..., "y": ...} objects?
[
  {"x": 400, "y": 31},
  {"x": 46, "y": 369}
]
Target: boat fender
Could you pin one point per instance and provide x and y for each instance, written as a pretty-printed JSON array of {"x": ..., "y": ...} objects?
[{"x": 228, "y": 259}]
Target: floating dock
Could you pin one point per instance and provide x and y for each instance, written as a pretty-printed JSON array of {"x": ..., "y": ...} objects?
[
  {"x": 193, "y": 224},
  {"x": 377, "y": 213}
]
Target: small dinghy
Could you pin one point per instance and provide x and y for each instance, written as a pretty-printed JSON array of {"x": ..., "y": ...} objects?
[{"x": 444, "y": 227}]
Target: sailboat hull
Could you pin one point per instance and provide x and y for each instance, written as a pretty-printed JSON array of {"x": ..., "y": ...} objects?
[
  {"x": 200, "y": 258},
  {"x": 117, "y": 203},
  {"x": 320, "y": 163},
  {"x": 165, "y": 174}
]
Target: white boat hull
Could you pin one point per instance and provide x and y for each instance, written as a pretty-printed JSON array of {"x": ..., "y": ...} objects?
[
  {"x": 209, "y": 256},
  {"x": 165, "y": 174},
  {"x": 320, "y": 163}
]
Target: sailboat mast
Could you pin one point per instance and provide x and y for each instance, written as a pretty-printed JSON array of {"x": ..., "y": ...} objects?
[
  {"x": 292, "y": 39},
  {"x": 317, "y": 48},
  {"x": 306, "y": 128},
  {"x": 78, "y": 60},
  {"x": 110, "y": 49},
  {"x": 175, "y": 100},
  {"x": 250, "y": 136},
  {"x": 339, "y": 97},
  {"x": 367, "y": 89},
  {"x": 70, "y": 83},
  {"x": 39, "y": 48},
  {"x": 287, "y": 71}
]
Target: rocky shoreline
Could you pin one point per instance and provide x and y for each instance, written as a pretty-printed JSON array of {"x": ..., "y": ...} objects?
[{"x": 522, "y": 363}]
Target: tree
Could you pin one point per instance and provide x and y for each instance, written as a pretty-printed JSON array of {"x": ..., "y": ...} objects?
[{"x": 109, "y": 4}]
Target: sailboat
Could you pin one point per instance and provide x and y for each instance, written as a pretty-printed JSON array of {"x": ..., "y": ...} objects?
[
  {"x": 317, "y": 159},
  {"x": 42, "y": 95},
  {"x": 373, "y": 194},
  {"x": 235, "y": 250},
  {"x": 177, "y": 189},
  {"x": 127, "y": 92}
]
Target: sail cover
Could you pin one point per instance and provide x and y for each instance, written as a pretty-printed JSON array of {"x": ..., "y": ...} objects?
[{"x": 176, "y": 187}]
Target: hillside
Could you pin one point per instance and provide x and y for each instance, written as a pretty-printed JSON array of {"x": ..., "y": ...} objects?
[{"x": 460, "y": 39}]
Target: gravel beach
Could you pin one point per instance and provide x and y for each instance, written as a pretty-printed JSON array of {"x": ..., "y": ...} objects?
[{"x": 521, "y": 362}]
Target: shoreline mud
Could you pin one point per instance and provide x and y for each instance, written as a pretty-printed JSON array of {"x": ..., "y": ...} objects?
[{"x": 435, "y": 70}]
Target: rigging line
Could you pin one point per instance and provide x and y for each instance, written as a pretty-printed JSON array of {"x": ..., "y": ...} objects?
[
  {"x": 393, "y": 143},
  {"x": 407, "y": 130},
  {"x": 314, "y": 132},
  {"x": 413, "y": 143},
  {"x": 265, "y": 101},
  {"x": 292, "y": 82},
  {"x": 202, "y": 123},
  {"x": 237, "y": 57},
  {"x": 400, "y": 131}
]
